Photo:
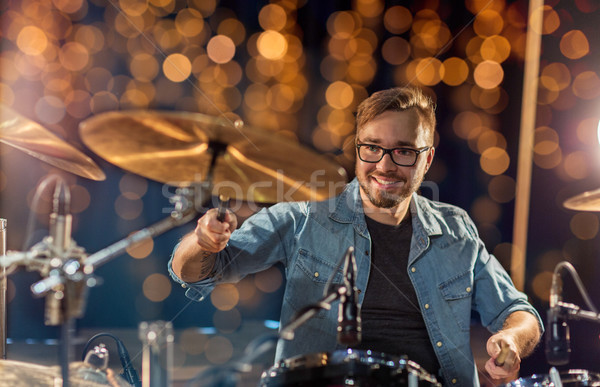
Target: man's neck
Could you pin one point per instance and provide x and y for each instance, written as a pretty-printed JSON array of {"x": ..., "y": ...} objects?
[{"x": 392, "y": 216}]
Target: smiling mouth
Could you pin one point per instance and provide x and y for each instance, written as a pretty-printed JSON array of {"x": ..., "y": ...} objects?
[{"x": 385, "y": 182}]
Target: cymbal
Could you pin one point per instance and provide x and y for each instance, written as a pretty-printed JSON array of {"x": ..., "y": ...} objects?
[
  {"x": 33, "y": 139},
  {"x": 587, "y": 201},
  {"x": 176, "y": 148}
]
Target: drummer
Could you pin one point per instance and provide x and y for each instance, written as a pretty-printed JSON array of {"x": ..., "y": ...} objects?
[{"x": 422, "y": 267}]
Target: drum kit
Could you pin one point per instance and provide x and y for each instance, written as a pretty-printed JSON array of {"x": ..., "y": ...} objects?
[{"x": 201, "y": 157}]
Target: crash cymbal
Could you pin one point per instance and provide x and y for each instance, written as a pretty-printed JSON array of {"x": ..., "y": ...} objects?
[
  {"x": 176, "y": 148},
  {"x": 587, "y": 201},
  {"x": 33, "y": 139}
]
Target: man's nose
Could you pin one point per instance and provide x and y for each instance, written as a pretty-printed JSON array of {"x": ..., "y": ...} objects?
[{"x": 386, "y": 163}]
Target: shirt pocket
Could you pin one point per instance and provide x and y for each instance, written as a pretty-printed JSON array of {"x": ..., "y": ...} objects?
[
  {"x": 457, "y": 292},
  {"x": 309, "y": 278}
]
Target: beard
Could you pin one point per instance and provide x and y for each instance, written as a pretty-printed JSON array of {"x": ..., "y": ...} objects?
[{"x": 383, "y": 199}]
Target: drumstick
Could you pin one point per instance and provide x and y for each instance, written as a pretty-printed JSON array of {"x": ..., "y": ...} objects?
[
  {"x": 499, "y": 361},
  {"x": 222, "y": 207}
]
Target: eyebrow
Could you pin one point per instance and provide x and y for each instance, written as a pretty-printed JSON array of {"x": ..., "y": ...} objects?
[{"x": 402, "y": 144}]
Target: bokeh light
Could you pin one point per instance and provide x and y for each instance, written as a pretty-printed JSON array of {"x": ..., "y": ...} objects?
[
  {"x": 192, "y": 342},
  {"x": 225, "y": 297},
  {"x": 157, "y": 287},
  {"x": 218, "y": 350},
  {"x": 584, "y": 225}
]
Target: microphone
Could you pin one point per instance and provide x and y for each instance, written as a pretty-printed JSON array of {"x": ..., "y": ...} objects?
[
  {"x": 349, "y": 324},
  {"x": 129, "y": 372},
  {"x": 59, "y": 240},
  {"x": 60, "y": 218},
  {"x": 558, "y": 337}
]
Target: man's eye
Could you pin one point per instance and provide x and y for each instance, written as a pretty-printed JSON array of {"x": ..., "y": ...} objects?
[
  {"x": 403, "y": 152},
  {"x": 372, "y": 148}
]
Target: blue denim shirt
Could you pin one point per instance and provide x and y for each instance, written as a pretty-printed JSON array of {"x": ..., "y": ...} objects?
[{"x": 449, "y": 267}]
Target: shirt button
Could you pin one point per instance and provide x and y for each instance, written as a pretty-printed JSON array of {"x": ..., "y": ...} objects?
[
  {"x": 366, "y": 252},
  {"x": 184, "y": 286},
  {"x": 468, "y": 289},
  {"x": 316, "y": 274},
  {"x": 454, "y": 381},
  {"x": 439, "y": 343},
  {"x": 413, "y": 269},
  {"x": 426, "y": 306}
]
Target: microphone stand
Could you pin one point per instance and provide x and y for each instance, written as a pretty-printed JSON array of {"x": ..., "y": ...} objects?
[
  {"x": 308, "y": 312},
  {"x": 67, "y": 274},
  {"x": 574, "y": 312}
]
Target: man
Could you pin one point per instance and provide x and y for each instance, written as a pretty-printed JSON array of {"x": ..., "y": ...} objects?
[{"x": 421, "y": 265}]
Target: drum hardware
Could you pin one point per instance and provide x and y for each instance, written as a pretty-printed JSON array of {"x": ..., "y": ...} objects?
[
  {"x": 348, "y": 318},
  {"x": 555, "y": 377},
  {"x": 347, "y": 367},
  {"x": 129, "y": 372},
  {"x": 67, "y": 271},
  {"x": 3, "y": 288},
  {"x": 558, "y": 336},
  {"x": 33, "y": 139},
  {"x": 157, "y": 356},
  {"x": 232, "y": 373},
  {"x": 570, "y": 378}
]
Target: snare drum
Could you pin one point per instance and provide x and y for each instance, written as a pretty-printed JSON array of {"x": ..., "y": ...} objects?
[
  {"x": 570, "y": 378},
  {"x": 347, "y": 367}
]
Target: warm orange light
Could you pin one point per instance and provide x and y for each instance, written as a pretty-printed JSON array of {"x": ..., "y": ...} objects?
[
  {"x": 220, "y": 49},
  {"x": 177, "y": 67},
  {"x": 586, "y": 85},
  {"x": 272, "y": 45},
  {"x": 488, "y": 74},
  {"x": 156, "y": 287},
  {"x": 395, "y": 50},
  {"x": 272, "y": 17},
  {"x": 32, "y": 40},
  {"x": 574, "y": 44},
  {"x": 455, "y": 71},
  {"x": 397, "y": 19},
  {"x": 494, "y": 161},
  {"x": 339, "y": 95},
  {"x": 488, "y": 23}
]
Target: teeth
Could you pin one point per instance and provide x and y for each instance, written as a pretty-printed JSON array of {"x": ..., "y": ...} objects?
[{"x": 384, "y": 182}]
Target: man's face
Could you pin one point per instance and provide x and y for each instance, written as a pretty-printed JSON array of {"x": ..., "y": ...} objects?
[{"x": 386, "y": 184}]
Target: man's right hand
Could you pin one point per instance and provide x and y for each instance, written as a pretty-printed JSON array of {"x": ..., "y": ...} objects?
[
  {"x": 194, "y": 259},
  {"x": 213, "y": 235}
]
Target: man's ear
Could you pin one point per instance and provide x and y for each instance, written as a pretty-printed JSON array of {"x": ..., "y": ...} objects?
[{"x": 430, "y": 154}]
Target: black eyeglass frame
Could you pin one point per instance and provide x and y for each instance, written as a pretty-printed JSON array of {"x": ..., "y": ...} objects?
[{"x": 390, "y": 150}]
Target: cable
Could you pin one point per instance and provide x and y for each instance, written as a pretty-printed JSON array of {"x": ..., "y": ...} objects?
[{"x": 578, "y": 282}]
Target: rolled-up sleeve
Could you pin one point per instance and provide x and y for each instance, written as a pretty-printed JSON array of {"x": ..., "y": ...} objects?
[{"x": 496, "y": 296}]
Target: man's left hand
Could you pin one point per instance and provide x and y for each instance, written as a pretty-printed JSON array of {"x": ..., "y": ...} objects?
[{"x": 504, "y": 361}]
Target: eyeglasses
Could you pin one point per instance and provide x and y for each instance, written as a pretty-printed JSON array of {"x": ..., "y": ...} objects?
[{"x": 404, "y": 157}]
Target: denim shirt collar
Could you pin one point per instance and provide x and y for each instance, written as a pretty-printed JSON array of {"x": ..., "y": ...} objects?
[{"x": 349, "y": 209}]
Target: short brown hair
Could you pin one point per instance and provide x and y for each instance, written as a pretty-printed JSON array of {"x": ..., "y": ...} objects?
[{"x": 398, "y": 99}]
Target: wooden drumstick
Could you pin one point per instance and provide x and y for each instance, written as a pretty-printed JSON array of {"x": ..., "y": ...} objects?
[
  {"x": 499, "y": 361},
  {"x": 222, "y": 207}
]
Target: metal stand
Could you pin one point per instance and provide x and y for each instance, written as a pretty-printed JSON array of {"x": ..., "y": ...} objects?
[
  {"x": 3, "y": 287},
  {"x": 308, "y": 312},
  {"x": 68, "y": 274}
]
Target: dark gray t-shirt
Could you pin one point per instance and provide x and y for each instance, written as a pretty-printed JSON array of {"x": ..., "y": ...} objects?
[{"x": 391, "y": 317}]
